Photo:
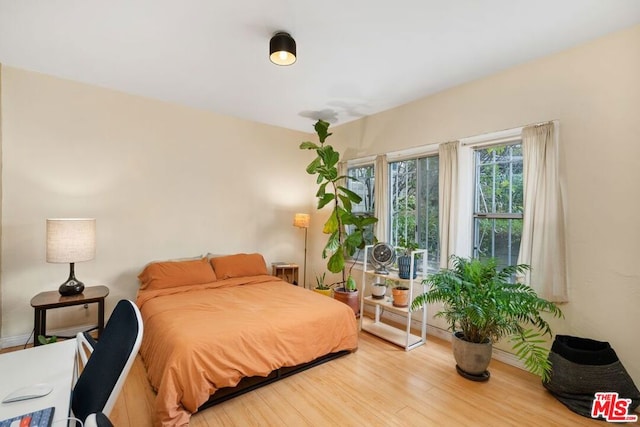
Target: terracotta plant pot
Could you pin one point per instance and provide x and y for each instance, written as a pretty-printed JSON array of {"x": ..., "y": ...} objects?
[
  {"x": 352, "y": 299},
  {"x": 326, "y": 292},
  {"x": 400, "y": 296}
]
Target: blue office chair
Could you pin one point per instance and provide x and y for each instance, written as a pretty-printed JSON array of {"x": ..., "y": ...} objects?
[{"x": 107, "y": 366}]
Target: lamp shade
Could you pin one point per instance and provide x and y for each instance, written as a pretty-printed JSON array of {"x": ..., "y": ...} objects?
[
  {"x": 282, "y": 49},
  {"x": 301, "y": 220},
  {"x": 71, "y": 240}
]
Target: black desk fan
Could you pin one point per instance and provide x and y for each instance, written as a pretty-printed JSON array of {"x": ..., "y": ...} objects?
[{"x": 382, "y": 254}]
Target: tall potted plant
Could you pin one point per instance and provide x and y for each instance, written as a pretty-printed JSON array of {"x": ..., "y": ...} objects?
[
  {"x": 332, "y": 191},
  {"x": 482, "y": 306}
]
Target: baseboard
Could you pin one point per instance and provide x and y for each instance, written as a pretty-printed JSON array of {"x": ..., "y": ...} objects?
[
  {"x": 20, "y": 340},
  {"x": 500, "y": 355}
]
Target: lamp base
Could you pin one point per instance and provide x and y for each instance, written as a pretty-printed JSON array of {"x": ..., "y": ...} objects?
[{"x": 71, "y": 287}]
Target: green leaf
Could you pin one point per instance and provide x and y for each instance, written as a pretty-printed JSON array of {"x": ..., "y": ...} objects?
[
  {"x": 330, "y": 156},
  {"x": 331, "y": 226},
  {"x": 336, "y": 262},
  {"x": 308, "y": 145},
  {"x": 321, "y": 190},
  {"x": 322, "y": 129},
  {"x": 333, "y": 243},
  {"x": 351, "y": 284},
  {"x": 325, "y": 199},
  {"x": 350, "y": 194},
  {"x": 367, "y": 220},
  {"x": 353, "y": 241},
  {"x": 346, "y": 203},
  {"x": 314, "y": 165},
  {"x": 332, "y": 174}
]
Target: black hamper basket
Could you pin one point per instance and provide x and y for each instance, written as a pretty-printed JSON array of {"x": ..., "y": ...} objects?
[{"x": 582, "y": 367}]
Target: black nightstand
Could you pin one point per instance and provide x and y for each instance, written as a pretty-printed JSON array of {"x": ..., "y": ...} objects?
[{"x": 52, "y": 299}]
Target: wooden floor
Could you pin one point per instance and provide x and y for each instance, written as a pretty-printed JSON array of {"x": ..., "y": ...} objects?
[{"x": 379, "y": 385}]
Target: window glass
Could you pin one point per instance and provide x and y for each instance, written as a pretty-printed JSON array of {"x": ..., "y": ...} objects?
[
  {"x": 363, "y": 184},
  {"x": 498, "y": 203},
  {"x": 413, "y": 204}
]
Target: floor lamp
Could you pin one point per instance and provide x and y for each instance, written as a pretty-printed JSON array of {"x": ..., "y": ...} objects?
[{"x": 301, "y": 220}]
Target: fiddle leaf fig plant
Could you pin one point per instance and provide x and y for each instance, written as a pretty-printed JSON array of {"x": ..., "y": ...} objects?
[{"x": 332, "y": 191}]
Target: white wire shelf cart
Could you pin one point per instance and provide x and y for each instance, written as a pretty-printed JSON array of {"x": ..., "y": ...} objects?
[{"x": 403, "y": 338}]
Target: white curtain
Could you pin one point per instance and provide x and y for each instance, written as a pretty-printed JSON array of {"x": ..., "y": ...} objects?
[
  {"x": 448, "y": 193},
  {"x": 381, "y": 198},
  {"x": 342, "y": 171},
  {"x": 543, "y": 234}
]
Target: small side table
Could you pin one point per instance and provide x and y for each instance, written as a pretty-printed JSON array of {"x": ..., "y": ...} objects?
[
  {"x": 52, "y": 299},
  {"x": 287, "y": 272}
]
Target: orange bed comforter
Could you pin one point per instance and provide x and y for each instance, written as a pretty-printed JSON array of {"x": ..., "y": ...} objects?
[{"x": 200, "y": 338}]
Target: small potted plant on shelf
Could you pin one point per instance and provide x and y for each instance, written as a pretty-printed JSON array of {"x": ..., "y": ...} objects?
[
  {"x": 482, "y": 306},
  {"x": 378, "y": 290},
  {"x": 400, "y": 293},
  {"x": 321, "y": 286},
  {"x": 407, "y": 246}
]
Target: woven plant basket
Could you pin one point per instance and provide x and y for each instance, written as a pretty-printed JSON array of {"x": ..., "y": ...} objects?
[{"x": 582, "y": 367}]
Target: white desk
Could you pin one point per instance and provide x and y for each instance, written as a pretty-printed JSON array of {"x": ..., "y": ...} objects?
[{"x": 53, "y": 364}]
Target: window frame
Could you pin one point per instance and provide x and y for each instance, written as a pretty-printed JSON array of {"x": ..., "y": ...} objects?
[
  {"x": 464, "y": 243},
  {"x": 413, "y": 154},
  {"x": 477, "y": 215},
  {"x": 361, "y": 163}
]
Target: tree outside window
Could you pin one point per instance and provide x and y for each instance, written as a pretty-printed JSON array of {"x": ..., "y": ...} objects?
[
  {"x": 362, "y": 183},
  {"x": 413, "y": 204},
  {"x": 498, "y": 203}
]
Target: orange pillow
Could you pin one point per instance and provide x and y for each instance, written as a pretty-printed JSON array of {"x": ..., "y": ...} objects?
[
  {"x": 169, "y": 274},
  {"x": 239, "y": 265}
]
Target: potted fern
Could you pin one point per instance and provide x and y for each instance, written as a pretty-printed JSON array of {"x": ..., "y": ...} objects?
[
  {"x": 332, "y": 191},
  {"x": 482, "y": 306}
]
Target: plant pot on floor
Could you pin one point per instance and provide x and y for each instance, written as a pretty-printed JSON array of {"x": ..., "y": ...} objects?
[
  {"x": 472, "y": 359},
  {"x": 326, "y": 292},
  {"x": 400, "y": 296},
  {"x": 350, "y": 298}
]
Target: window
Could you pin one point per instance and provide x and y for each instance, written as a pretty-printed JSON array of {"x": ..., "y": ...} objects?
[
  {"x": 363, "y": 185},
  {"x": 413, "y": 205},
  {"x": 498, "y": 205}
]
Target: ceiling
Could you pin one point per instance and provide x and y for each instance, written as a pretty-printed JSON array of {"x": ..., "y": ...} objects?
[{"x": 355, "y": 57}]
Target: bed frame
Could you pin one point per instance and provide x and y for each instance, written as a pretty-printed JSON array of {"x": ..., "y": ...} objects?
[{"x": 251, "y": 383}]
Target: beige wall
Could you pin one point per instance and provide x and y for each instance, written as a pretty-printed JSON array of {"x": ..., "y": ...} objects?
[
  {"x": 162, "y": 181},
  {"x": 594, "y": 91}
]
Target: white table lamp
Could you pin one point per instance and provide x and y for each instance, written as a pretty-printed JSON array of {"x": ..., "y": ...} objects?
[{"x": 71, "y": 240}]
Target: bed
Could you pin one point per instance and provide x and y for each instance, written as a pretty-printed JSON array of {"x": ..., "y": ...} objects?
[{"x": 211, "y": 324}]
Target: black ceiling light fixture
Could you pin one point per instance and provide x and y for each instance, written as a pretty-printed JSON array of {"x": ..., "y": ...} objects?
[{"x": 282, "y": 49}]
